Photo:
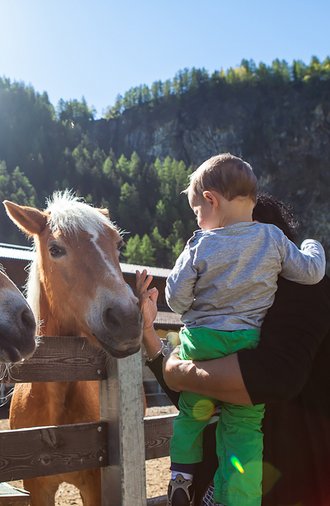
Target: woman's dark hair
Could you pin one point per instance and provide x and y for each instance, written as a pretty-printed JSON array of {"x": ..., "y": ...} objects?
[{"x": 270, "y": 210}]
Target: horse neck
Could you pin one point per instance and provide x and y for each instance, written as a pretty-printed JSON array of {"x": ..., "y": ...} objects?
[
  {"x": 36, "y": 294},
  {"x": 55, "y": 392},
  {"x": 49, "y": 325},
  {"x": 67, "y": 402},
  {"x": 59, "y": 407},
  {"x": 50, "y": 321}
]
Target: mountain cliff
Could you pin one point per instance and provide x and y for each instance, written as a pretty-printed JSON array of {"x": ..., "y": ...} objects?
[{"x": 282, "y": 129}]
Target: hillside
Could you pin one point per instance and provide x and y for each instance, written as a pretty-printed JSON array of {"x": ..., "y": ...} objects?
[
  {"x": 137, "y": 159},
  {"x": 282, "y": 130}
]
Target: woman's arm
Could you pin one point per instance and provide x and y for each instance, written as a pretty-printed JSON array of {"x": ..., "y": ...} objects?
[
  {"x": 291, "y": 335},
  {"x": 279, "y": 367},
  {"x": 219, "y": 378},
  {"x": 152, "y": 342}
]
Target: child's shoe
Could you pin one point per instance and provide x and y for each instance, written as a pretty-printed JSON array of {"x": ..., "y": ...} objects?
[
  {"x": 208, "y": 499},
  {"x": 180, "y": 492}
]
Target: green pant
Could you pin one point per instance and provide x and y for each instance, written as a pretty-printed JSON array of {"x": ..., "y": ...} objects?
[{"x": 239, "y": 437}]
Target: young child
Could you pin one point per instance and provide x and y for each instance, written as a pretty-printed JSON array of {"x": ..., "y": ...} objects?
[{"x": 222, "y": 284}]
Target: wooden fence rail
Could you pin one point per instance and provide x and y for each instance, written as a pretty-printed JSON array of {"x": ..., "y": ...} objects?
[{"x": 119, "y": 443}]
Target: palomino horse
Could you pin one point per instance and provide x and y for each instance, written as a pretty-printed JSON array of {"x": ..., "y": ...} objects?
[
  {"x": 75, "y": 287},
  {"x": 17, "y": 323}
]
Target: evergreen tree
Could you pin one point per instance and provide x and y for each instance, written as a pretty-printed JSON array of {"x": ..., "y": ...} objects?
[
  {"x": 75, "y": 112},
  {"x": 147, "y": 251},
  {"x": 17, "y": 188},
  {"x": 132, "y": 251}
]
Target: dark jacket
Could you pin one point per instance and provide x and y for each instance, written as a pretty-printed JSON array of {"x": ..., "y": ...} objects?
[{"x": 291, "y": 365}]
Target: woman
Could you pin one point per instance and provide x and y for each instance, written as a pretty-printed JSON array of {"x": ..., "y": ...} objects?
[{"x": 290, "y": 365}]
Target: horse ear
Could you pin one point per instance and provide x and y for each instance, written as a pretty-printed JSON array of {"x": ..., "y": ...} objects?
[
  {"x": 104, "y": 211},
  {"x": 28, "y": 219}
]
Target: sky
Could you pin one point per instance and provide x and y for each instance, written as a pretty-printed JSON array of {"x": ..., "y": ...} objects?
[{"x": 98, "y": 49}]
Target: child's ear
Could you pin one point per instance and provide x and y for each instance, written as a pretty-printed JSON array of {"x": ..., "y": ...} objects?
[{"x": 211, "y": 198}]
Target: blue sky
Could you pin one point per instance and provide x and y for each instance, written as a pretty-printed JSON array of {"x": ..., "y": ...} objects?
[{"x": 101, "y": 48}]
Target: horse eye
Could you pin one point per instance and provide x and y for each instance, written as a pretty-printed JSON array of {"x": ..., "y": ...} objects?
[
  {"x": 56, "y": 251},
  {"x": 121, "y": 246}
]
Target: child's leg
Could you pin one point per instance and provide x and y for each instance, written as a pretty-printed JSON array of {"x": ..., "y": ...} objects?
[
  {"x": 239, "y": 448},
  {"x": 186, "y": 447},
  {"x": 187, "y": 440}
]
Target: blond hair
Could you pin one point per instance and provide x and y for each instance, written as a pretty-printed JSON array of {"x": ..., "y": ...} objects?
[{"x": 227, "y": 174}]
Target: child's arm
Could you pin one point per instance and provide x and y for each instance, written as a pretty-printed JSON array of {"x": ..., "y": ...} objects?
[
  {"x": 306, "y": 265},
  {"x": 180, "y": 284}
]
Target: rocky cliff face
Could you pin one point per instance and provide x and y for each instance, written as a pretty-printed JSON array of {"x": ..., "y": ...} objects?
[{"x": 283, "y": 130}]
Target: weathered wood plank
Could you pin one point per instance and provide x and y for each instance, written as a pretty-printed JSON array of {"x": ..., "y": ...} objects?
[
  {"x": 61, "y": 359},
  {"x": 26, "y": 453},
  {"x": 168, "y": 320},
  {"x": 121, "y": 396},
  {"x": 158, "y": 431}
]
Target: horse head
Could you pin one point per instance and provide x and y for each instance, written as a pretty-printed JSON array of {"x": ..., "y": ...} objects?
[
  {"x": 17, "y": 323},
  {"x": 75, "y": 284}
]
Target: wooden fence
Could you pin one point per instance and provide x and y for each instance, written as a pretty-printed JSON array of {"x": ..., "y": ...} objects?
[{"x": 119, "y": 443}]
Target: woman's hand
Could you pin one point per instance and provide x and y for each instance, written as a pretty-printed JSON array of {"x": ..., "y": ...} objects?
[
  {"x": 147, "y": 298},
  {"x": 148, "y": 304},
  {"x": 175, "y": 369}
]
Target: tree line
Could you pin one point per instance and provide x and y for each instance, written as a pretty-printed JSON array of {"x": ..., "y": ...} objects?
[{"x": 191, "y": 80}]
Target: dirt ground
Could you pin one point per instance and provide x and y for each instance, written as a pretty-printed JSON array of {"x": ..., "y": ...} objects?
[{"x": 157, "y": 471}]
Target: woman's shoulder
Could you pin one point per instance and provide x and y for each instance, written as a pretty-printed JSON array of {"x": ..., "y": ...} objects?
[
  {"x": 299, "y": 317},
  {"x": 291, "y": 296},
  {"x": 322, "y": 288}
]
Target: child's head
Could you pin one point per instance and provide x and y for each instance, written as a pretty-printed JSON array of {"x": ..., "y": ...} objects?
[
  {"x": 223, "y": 190},
  {"x": 226, "y": 174}
]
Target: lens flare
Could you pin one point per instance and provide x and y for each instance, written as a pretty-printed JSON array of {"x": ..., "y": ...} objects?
[
  {"x": 236, "y": 463},
  {"x": 203, "y": 409}
]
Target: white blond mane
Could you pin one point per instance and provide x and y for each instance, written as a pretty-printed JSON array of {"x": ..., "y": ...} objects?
[{"x": 69, "y": 214}]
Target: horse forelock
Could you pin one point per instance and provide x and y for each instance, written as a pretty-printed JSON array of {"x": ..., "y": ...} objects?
[{"x": 70, "y": 214}]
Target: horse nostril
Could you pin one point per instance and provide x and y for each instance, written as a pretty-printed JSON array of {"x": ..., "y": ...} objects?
[
  {"x": 27, "y": 319},
  {"x": 110, "y": 319}
]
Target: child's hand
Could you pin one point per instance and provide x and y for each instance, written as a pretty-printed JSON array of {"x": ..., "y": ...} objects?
[
  {"x": 173, "y": 339},
  {"x": 147, "y": 297}
]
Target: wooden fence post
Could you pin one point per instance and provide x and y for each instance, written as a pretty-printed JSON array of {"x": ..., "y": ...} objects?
[{"x": 121, "y": 396}]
